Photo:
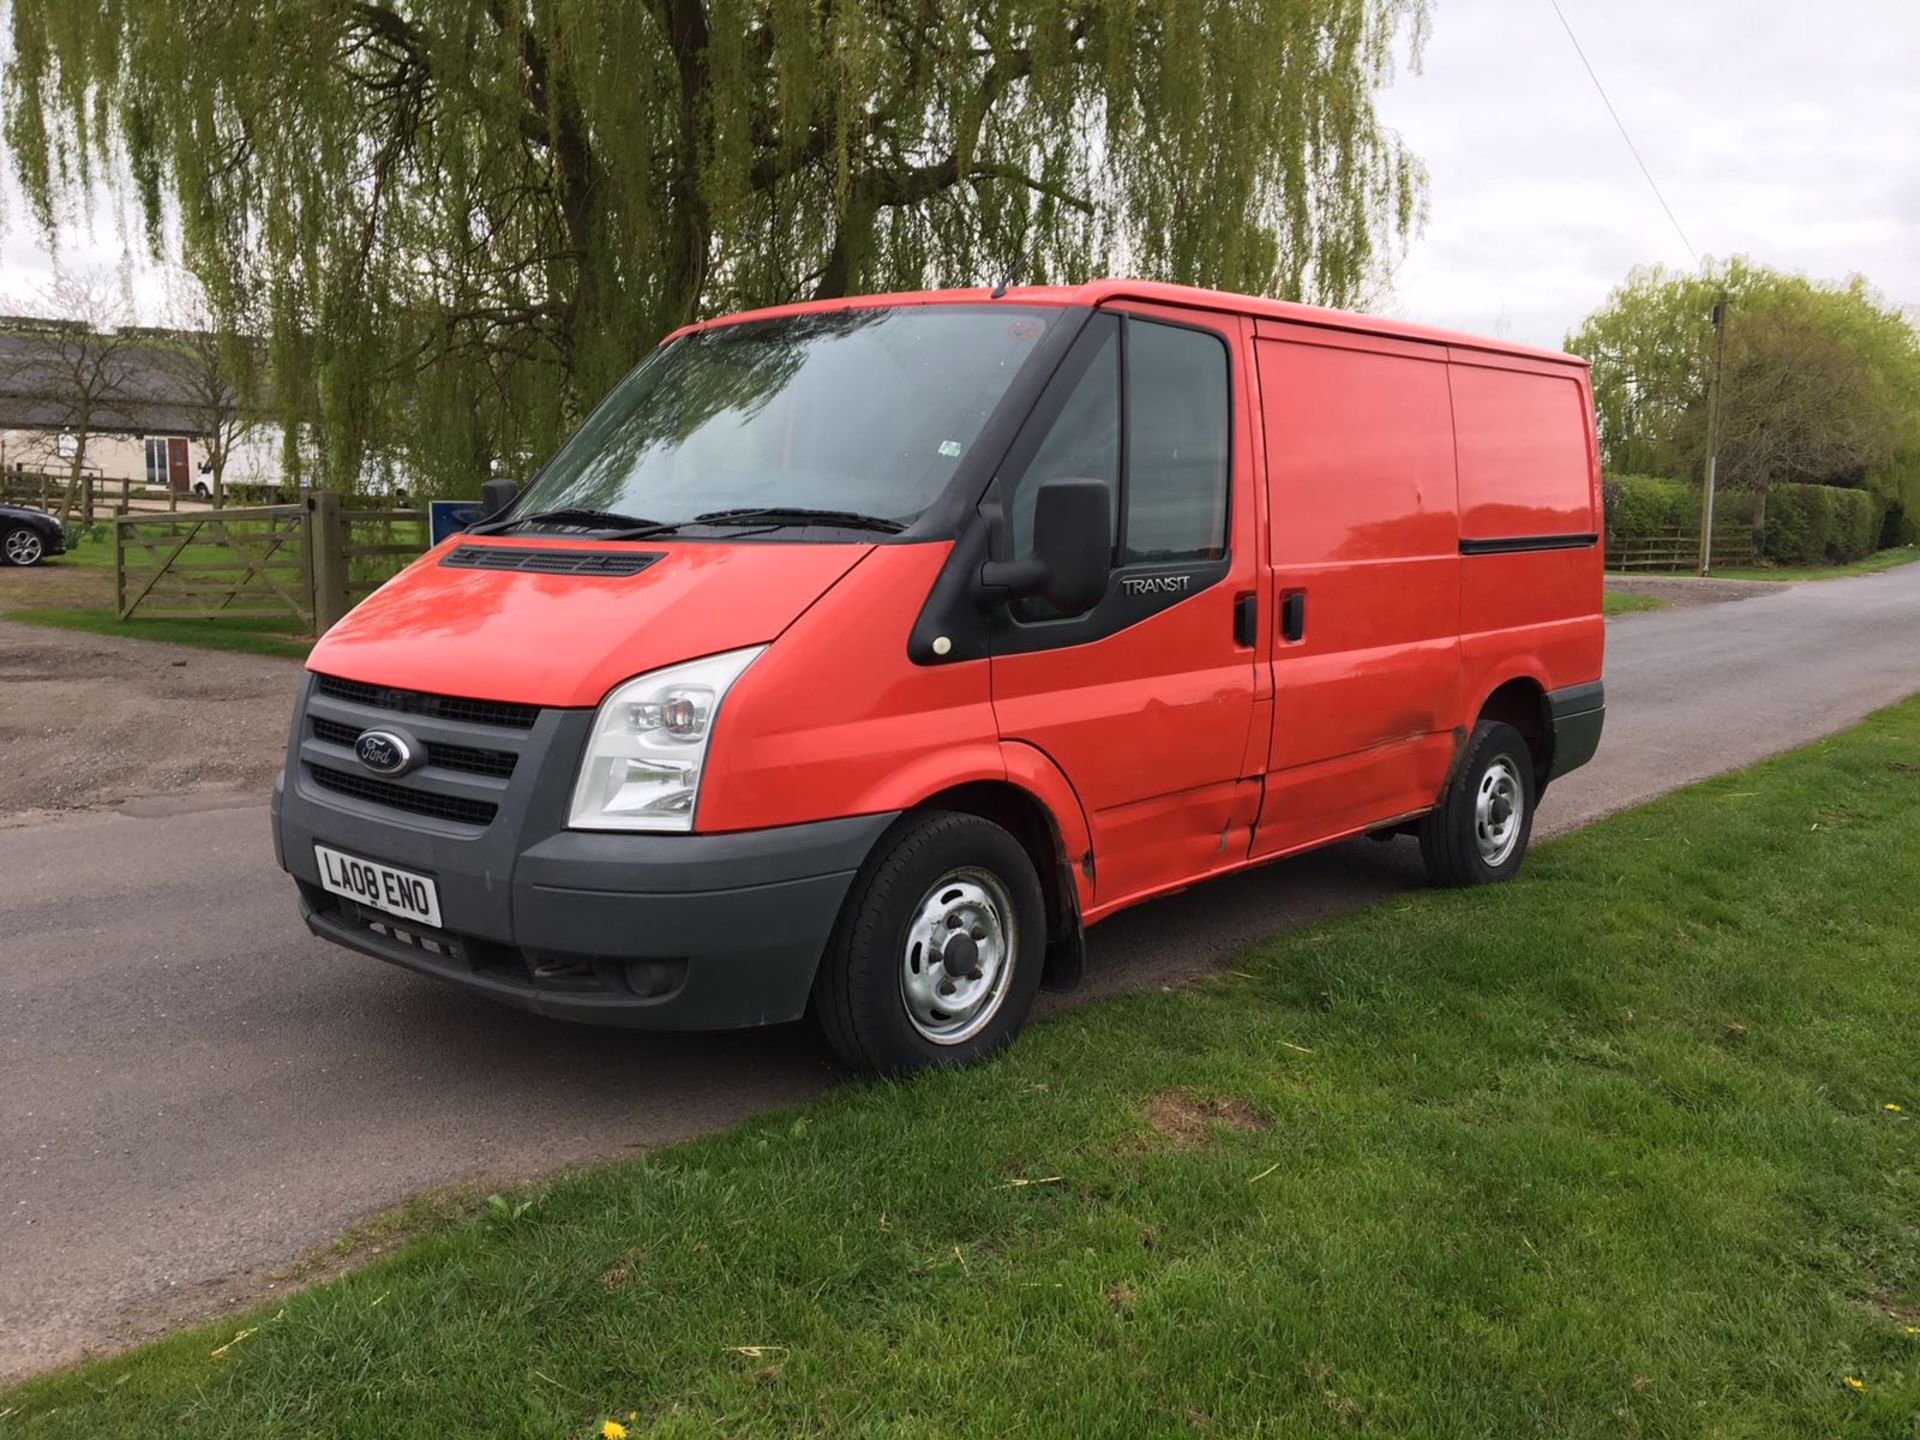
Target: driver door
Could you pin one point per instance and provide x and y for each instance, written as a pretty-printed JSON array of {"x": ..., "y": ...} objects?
[{"x": 1147, "y": 701}]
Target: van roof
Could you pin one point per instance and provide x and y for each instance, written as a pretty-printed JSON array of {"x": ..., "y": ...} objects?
[{"x": 1096, "y": 292}]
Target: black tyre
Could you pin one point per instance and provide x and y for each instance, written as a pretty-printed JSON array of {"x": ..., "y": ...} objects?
[
  {"x": 937, "y": 953},
  {"x": 1479, "y": 832},
  {"x": 22, "y": 545}
]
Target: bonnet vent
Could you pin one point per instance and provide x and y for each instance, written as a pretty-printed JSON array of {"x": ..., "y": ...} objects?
[{"x": 549, "y": 562}]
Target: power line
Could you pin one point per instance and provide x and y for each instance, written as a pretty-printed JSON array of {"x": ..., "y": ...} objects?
[{"x": 1621, "y": 125}]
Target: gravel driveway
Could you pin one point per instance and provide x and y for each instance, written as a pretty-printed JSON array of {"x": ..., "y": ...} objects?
[{"x": 91, "y": 721}]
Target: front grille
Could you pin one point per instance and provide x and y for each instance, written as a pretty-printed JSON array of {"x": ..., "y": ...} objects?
[
  {"x": 549, "y": 562},
  {"x": 470, "y": 758},
  {"x": 497, "y": 713},
  {"x": 457, "y": 808}
]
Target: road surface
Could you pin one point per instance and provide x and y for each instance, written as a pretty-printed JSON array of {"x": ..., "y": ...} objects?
[{"x": 193, "y": 1091}]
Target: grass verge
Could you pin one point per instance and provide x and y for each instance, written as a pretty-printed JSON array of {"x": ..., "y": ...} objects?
[
  {"x": 1616, "y": 602},
  {"x": 1871, "y": 565},
  {"x": 1612, "y": 1151},
  {"x": 253, "y": 637}
]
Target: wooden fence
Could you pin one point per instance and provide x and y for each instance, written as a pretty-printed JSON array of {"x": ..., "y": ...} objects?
[
  {"x": 307, "y": 564},
  {"x": 1677, "y": 548},
  {"x": 99, "y": 496}
]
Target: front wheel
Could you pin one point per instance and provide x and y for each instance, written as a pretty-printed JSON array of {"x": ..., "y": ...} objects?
[
  {"x": 1478, "y": 833},
  {"x": 937, "y": 955},
  {"x": 22, "y": 545}
]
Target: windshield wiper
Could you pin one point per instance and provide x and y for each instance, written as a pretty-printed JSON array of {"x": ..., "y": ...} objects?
[
  {"x": 569, "y": 515},
  {"x": 798, "y": 515}
]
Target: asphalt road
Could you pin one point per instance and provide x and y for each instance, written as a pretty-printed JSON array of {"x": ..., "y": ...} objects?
[{"x": 193, "y": 1091}]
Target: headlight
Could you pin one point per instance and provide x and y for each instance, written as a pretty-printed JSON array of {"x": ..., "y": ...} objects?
[{"x": 649, "y": 745}]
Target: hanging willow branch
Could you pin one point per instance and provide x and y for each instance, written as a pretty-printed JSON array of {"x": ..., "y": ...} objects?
[{"x": 464, "y": 219}]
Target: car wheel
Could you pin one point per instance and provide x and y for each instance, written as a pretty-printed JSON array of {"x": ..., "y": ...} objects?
[
  {"x": 202, "y": 489},
  {"x": 22, "y": 545},
  {"x": 937, "y": 954},
  {"x": 1478, "y": 833}
]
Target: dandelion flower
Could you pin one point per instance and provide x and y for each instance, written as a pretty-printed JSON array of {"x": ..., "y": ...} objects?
[
  {"x": 613, "y": 1430},
  {"x": 1855, "y": 1383},
  {"x": 1894, "y": 1108}
]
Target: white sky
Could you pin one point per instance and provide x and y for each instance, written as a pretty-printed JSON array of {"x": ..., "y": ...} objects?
[
  {"x": 1778, "y": 129},
  {"x": 1785, "y": 131}
]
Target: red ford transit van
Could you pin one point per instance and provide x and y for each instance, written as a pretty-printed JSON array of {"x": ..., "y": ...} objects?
[{"x": 858, "y": 656}]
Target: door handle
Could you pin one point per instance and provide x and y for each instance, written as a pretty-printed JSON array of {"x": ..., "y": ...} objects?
[
  {"x": 1293, "y": 616},
  {"x": 1246, "y": 619}
]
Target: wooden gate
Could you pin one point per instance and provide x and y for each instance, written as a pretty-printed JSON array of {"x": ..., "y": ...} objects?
[
  {"x": 254, "y": 563},
  {"x": 307, "y": 564}
]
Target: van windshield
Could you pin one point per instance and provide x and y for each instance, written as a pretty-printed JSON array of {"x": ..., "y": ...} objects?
[{"x": 864, "y": 413}]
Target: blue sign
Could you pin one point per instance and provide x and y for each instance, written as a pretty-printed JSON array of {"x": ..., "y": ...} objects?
[{"x": 450, "y": 517}]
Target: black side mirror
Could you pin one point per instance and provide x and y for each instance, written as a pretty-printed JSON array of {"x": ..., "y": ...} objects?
[
  {"x": 1072, "y": 548},
  {"x": 495, "y": 496}
]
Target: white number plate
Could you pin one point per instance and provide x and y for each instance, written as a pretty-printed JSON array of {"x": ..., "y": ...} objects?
[{"x": 398, "y": 892}]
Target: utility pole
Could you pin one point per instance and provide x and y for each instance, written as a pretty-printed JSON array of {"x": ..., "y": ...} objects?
[{"x": 1713, "y": 434}]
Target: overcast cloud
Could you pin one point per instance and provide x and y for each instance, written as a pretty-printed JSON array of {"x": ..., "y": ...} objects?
[{"x": 1785, "y": 131}]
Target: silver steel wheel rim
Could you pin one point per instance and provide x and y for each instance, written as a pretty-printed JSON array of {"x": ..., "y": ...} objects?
[
  {"x": 959, "y": 955},
  {"x": 1497, "y": 812},
  {"x": 23, "y": 547}
]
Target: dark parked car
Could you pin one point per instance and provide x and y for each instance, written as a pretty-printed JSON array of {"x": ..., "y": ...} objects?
[{"x": 28, "y": 536}]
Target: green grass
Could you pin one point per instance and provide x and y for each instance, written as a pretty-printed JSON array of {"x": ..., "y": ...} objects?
[
  {"x": 87, "y": 553},
  {"x": 1606, "y": 1152},
  {"x": 89, "y": 609},
  {"x": 1872, "y": 565},
  {"x": 1619, "y": 603},
  {"x": 261, "y": 636}
]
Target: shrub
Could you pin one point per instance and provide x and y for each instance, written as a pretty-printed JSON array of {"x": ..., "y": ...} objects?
[
  {"x": 1638, "y": 506},
  {"x": 1821, "y": 524},
  {"x": 1898, "y": 485}
]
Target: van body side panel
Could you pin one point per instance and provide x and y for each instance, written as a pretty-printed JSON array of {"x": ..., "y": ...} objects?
[
  {"x": 1150, "y": 723},
  {"x": 837, "y": 720},
  {"x": 1530, "y": 577},
  {"x": 1364, "y": 529}
]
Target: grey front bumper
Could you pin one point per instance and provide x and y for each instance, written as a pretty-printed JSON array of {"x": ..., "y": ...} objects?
[{"x": 690, "y": 932}]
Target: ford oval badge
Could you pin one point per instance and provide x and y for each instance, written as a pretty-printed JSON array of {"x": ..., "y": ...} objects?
[{"x": 384, "y": 752}]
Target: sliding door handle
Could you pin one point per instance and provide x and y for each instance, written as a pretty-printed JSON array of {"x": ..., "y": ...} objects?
[{"x": 1293, "y": 616}]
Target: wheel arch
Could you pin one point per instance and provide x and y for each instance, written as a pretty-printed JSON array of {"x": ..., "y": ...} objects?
[
  {"x": 1037, "y": 806},
  {"x": 1520, "y": 700}
]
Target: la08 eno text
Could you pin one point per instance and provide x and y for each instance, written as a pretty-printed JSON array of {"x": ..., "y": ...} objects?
[{"x": 398, "y": 892}]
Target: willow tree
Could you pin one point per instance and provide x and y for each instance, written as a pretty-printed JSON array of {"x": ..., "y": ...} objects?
[{"x": 465, "y": 218}]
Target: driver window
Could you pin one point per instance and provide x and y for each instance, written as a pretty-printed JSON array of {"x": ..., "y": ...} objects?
[{"x": 1083, "y": 443}]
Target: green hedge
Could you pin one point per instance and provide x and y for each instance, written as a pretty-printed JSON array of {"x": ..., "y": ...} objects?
[
  {"x": 1639, "y": 506},
  {"x": 1821, "y": 524}
]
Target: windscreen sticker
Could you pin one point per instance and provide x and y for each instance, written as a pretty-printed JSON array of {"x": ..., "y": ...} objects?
[{"x": 950, "y": 448}]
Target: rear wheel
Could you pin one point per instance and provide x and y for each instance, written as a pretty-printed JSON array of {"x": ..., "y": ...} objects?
[
  {"x": 937, "y": 956},
  {"x": 1478, "y": 833},
  {"x": 22, "y": 545}
]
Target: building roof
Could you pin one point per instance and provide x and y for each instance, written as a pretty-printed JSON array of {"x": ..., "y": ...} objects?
[{"x": 153, "y": 399}]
